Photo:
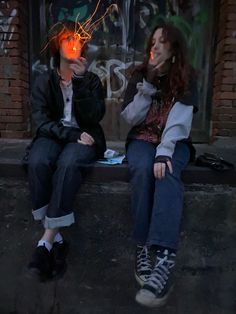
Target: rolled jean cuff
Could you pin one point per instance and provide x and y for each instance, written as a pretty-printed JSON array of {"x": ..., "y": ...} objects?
[
  {"x": 40, "y": 213},
  {"x": 63, "y": 221}
]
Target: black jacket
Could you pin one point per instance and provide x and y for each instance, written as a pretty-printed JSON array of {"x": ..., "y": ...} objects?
[{"x": 87, "y": 105}]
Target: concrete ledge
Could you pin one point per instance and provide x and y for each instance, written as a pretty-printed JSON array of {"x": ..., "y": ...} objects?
[
  {"x": 13, "y": 150},
  {"x": 10, "y": 168}
]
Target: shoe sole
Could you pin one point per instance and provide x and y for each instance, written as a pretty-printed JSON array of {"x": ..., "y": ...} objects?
[{"x": 152, "y": 302}]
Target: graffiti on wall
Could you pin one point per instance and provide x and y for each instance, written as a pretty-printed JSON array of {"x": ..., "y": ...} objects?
[
  {"x": 6, "y": 27},
  {"x": 112, "y": 75},
  {"x": 119, "y": 42}
]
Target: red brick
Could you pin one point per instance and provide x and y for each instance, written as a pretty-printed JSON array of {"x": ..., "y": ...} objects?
[
  {"x": 14, "y": 134},
  {"x": 10, "y": 104},
  {"x": 231, "y": 25},
  {"x": 228, "y": 73},
  {"x": 228, "y": 95},
  {"x": 16, "y": 90},
  {"x": 231, "y": 17},
  {"x": 229, "y": 56},
  {"x": 222, "y": 117},
  {"x": 14, "y": 52},
  {"x": 230, "y": 65},
  {"x": 227, "y": 88},
  {"x": 229, "y": 80},
  {"x": 230, "y": 33},
  {"x": 11, "y": 112},
  {"x": 230, "y": 41},
  {"x": 4, "y": 83},
  {"x": 225, "y": 125},
  {"x": 16, "y": 97},
  {"x": 16, "y": 126},
  {"x": 11, "y": 119},
  {"x": 222, "y": 132},
  {"x": 5, "y": 90}
]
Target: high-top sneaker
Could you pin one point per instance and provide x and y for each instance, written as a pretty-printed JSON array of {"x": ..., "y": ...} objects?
[{"x": 156, "y": 290}]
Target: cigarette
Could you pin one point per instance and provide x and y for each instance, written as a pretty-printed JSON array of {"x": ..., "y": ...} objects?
[{"x": 153, "y": 55}]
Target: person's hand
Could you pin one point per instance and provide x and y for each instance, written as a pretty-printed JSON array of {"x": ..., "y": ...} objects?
[
  {"x": 86, "y": 139},
  {"x": 78, "y": 66},
  {"x": 160, "y": 165}
]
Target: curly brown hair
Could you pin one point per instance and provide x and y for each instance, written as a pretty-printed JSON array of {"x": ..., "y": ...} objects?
[{"x": 180, "y": 72}]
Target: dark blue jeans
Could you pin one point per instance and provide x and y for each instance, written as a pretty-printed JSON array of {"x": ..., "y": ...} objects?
[
  {"x": 156, "y": 204},
  {"x": 54, "y": 172}
]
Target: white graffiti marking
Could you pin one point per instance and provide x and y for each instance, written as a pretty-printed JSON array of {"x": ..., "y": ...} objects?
[
  {"x": 6, "y": 29},
  {"x": 38, "y": 67},
  {"x": 107, "y": 69}
]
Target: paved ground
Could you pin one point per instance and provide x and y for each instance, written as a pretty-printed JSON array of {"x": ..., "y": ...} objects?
[{"x": 100, "y": 277}]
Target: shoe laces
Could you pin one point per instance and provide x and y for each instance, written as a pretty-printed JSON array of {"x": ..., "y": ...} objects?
[
  {"x": 160, "y": 274},
  {"x": 143, "y": 259}
]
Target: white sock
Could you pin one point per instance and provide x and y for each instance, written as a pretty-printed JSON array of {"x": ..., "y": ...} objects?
[
  {"x": 47, "y": 244},
  {"x": 58, "y": 238}
]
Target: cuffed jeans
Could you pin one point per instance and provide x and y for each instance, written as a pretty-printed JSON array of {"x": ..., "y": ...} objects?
[
  {"x": 156, "y": 204},
  {"x": 54, "y": 172}
]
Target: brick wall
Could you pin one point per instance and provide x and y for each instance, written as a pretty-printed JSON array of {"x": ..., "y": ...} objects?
[
  {"x": 224, "y": 98},
  {"x": 14, "y": 69}
]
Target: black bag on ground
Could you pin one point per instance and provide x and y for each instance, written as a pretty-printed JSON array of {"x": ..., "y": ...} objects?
[{"x": 214, "y": 162}]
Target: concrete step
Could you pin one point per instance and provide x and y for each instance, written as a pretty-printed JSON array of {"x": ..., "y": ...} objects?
[
  {"x": 11, "y": 152},
  {"x": 100, "y": 273}
]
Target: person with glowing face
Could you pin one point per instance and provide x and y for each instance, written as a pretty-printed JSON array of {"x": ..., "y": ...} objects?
[
  {"x": 67, "y": 106},
  {"x": 159, "y": 102}
]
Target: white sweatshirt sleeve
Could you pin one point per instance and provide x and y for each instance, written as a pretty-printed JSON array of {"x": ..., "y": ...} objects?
[
  {"x": 135, "y": 112},
  {"x": 178, "y": 127}
]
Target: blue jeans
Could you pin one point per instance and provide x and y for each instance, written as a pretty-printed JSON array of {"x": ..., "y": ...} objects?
[
  {"x": 156, "y": 204},
  {"x": 54, "y": 172}
]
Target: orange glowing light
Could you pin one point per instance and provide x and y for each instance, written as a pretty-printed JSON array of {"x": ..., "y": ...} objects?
[{"x": 83, "y": 32}]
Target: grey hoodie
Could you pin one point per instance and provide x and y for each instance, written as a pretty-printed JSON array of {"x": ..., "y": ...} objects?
[{"x": 137, "y": 103}]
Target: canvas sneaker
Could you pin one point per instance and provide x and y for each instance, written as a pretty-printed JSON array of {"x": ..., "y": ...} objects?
[{"x": 156, "y": 290}]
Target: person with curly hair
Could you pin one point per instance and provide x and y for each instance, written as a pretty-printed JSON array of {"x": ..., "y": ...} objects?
[{"x": 159, "y": 103}]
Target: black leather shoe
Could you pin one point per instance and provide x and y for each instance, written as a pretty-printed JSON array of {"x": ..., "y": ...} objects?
[
  {"x": 40, "y": 265},
  {"x": 59, "y": 254}
]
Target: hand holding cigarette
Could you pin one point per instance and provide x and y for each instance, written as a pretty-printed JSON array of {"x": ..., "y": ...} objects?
[{"x": 78, "y": 66}]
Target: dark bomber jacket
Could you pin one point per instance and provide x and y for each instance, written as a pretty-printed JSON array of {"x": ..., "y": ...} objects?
[{"x": 87, "y": 105}]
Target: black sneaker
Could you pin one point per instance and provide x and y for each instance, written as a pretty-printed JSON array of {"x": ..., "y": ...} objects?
[
  {"x": 156, "y": 290},
  {"x": 40, "y": 265},
  {"x": 59, "y": 254},
  {"x": 143, "y": 266}
]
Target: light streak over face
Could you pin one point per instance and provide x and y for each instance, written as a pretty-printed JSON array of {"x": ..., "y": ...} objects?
[{"x": 70, "y": 47}]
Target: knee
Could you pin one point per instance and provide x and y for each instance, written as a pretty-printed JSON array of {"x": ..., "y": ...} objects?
[
  {"x": 69, "y": 164},
  {"x": 38, "y": 163}
]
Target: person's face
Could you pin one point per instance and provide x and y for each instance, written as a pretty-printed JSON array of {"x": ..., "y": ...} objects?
[
  {"x": 70, "y": 46},
  {"x": 160, "y": 50}
]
